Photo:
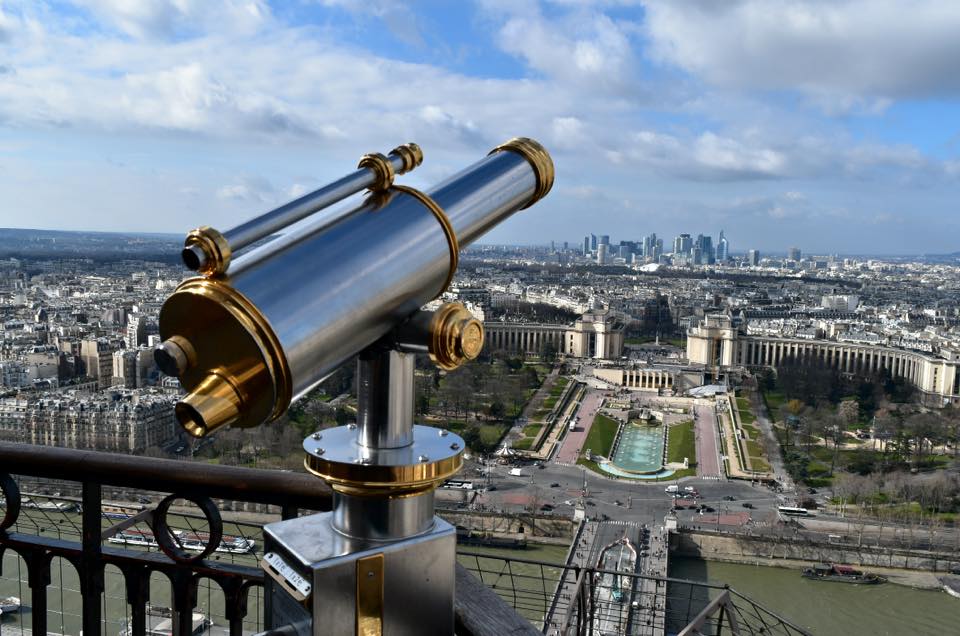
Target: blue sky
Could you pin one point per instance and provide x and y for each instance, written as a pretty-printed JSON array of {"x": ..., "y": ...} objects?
[{"x": 832, "y": 125}]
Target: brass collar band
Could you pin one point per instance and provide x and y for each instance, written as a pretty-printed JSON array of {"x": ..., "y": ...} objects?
[
  {"x": 237, "y": 374},
  {"x": 447, "y": 229},
  {"x": 539, "y": 160},
  {"x": 337, "y": 458},
  {"x": 213, "y": 247},
  {"x": 411, "y": 154},
  {"x": 381, "y": 167}
]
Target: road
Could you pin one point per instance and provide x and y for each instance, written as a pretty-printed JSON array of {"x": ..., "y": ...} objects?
[
  {"x": 607, "y": 498},
  {"x": 574, "y": 440},
  {"x": 708, "y": 448}
]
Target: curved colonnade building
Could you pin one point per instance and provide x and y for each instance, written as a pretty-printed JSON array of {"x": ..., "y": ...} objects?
[
  {"x": 596, "y": 334},
  {"x": 723, "y": 348}
]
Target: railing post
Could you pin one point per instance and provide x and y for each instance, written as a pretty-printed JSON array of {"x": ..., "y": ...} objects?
[
  {"x": 38, "y": 577},
  {"x": 91, "y": 565},
  {"x": 137, "y": 581},
  {"x": 183, "y": 593}
]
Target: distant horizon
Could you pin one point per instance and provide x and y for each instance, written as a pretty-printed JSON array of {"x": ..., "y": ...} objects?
[
  {"x": 573, "y": 245},
  {"x": 834, "y": 125}
]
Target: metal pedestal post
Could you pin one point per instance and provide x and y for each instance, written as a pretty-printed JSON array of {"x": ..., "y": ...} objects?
[{"x": 380, "y": 562}]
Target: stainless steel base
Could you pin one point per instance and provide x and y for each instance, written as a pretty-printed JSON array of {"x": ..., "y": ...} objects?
[{"x": 314, "y": 584}]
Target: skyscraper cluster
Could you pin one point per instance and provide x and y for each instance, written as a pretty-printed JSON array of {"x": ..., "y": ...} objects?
[
  {"x": 647, "y": 249},
  {"x": 650, "y": 249}
]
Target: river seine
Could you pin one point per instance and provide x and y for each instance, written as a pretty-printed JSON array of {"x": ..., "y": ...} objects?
[{"x": 826, "y": 608}]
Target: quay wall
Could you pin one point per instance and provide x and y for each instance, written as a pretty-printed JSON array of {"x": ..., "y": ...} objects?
[
  {"x": 512, "y": 525},
  {"x": 736, "y": 548}
]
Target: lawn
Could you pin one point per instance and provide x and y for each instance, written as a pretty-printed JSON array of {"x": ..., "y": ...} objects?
[
  {"x": 774, "y": 400},
  {"x": 682, "y": 443},
  {"x": 753, "y": 448},
  {"x": 559, "y": 386},
  {"x": 531, "y": 430},
  {"x": 600, "y": 438},
  {"x": 523, "y": 444},
  {"x": 550, "y": 402}
]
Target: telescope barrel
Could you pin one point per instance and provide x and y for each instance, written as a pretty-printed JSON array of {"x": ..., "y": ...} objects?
[
  {"x": 376, "y": 173},
  {"x": 295, "y": 309}
]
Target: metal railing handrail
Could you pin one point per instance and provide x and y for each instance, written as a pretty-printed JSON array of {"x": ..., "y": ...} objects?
[{"x": 284, "y": 489}]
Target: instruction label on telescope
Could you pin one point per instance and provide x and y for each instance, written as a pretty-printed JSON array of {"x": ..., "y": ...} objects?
[{"x": 277, "y": 568}]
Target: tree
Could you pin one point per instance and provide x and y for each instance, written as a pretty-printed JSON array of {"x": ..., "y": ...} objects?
[
  {"x": 548, "y": 352},
  {"x": 849, "y": 412},
  {"x": 496, "y": 410}
]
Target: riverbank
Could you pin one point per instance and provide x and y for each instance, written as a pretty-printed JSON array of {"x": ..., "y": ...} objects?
[
  {"x": 763, "y": 548},
  {"x": 825, "y": 607},
  {"x": 914, "y": 579}
]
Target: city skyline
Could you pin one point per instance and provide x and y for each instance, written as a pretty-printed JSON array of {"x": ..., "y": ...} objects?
[{"x": 799, "y": 122}]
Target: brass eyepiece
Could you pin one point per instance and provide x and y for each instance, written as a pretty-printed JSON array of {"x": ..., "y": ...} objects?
[
  {"x": 206, "y": 251},
  {"x": 213, "y": 404},
  {"x": 175, "y": 356}
]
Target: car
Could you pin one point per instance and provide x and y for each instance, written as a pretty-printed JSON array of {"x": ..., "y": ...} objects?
[
  {"x": 747, "y": 504},
  {"x": 546, "y": 507},
  {"x": 540, "y": 466},
  {"x": 492, "y": 487},
  {"x": 812, "y": 491},
  {"x": 708, "y": 509},
  {"x": 590, "y": 503},
  {"x": 729, "y": 498},
  {"x": 555, "y": 484}
]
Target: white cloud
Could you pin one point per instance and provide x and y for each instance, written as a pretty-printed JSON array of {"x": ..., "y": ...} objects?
[
  {"x": 163, "y": 19},
  {"x": 844, "y": 54},
  {"x": 249, "y": 188},
  {"x": 584, "y": 48}
]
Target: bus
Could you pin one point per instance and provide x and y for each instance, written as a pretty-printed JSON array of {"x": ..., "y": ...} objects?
[
  {"x": 457, "y": 484},
  {"x": 791, "y": 511}
]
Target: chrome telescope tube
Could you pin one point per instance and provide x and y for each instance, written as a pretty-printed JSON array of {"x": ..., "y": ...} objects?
[
  {"x": 208, "y": 251},
  {"x": 290, "y": 312}
]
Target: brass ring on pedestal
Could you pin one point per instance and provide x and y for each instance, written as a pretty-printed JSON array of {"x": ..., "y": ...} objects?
[
  {"x": 382, "y": 167},
  {"x": 539, "y": 160},
  {"x": 215, "y": 248},
  {"x": 362, "y": 480},
  {"x": 447, "y": 229},
  {"x": 335, "y": 456}
]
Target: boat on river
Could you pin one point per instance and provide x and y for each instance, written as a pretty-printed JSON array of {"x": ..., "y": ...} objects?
[
  {"x": 841, "y": 574},
  {"x": 9, "y": 605},
  {"x": 195, "y": 541},
  {"x": 951, "y": 585}
]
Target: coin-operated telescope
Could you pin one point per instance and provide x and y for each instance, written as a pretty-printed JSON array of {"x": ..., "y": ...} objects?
[{"x": 252, "y": 334}]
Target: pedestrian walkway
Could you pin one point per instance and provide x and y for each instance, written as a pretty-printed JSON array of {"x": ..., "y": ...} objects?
[{"x": 573, "y": 442}]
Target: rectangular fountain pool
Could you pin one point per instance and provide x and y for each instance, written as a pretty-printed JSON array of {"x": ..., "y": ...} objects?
[{"x": 640, "y": 449}]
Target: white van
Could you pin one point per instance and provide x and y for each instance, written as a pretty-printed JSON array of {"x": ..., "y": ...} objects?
[{"x": 672, "y": 488}]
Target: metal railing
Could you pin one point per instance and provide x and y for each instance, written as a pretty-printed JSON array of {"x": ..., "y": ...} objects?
[
  {"x": 68, "y": 536},
  {"x": 569, "y": 600}
]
